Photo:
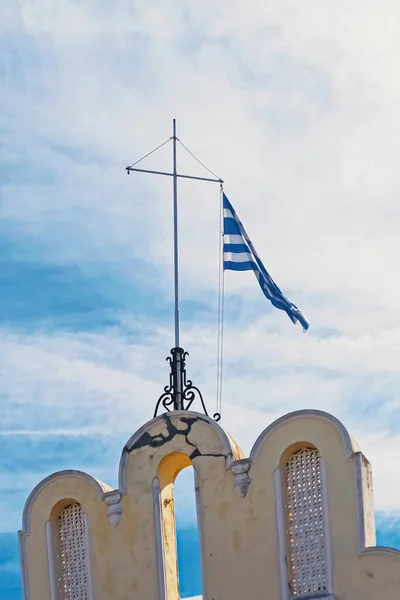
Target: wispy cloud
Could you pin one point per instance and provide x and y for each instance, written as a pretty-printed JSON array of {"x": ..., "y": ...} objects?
[{"x": 298, "y": 111}]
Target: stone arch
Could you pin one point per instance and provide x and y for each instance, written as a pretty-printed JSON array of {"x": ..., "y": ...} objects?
[
  {"x": 37, "y": 539},
  {"x": 150, "y": 462},
  {"x": 348, "y": 513},
  {"x": 175, "y": 432},
  {"x": 349, "y": 445},
  {"x": 239, "y": 527},
  {"x": 167, "y": 472},
  {"x": 284, "y": 437},
  {"x": 100, "y": 487}
]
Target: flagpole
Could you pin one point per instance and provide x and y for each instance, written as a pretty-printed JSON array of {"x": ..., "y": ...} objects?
[
  {"x": 176, "y": 249},
  {"x": 177, "y": 364},
  {"x": 180, "y": 393}
]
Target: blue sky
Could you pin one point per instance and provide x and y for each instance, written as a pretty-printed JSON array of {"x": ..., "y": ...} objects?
[{"x": 298, "y": 111}]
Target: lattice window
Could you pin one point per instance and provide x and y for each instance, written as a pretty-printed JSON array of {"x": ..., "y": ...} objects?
[
  {"x": 307, "y": 562},
  {"x": 73, "y": 554}
]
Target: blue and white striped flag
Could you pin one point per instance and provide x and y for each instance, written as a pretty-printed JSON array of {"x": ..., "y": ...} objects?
[{"x": 240, "y": 255}]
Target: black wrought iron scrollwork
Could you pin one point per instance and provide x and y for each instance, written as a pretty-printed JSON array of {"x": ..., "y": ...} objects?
[{"x": 180, "y": 393}]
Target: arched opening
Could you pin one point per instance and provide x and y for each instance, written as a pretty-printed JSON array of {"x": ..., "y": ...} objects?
[
  {"x": 67, "y": 539},
  {"x": 180, "y": 539},
  {"x": 187, "y": 535},
  {"x": 306, "y": 520}
]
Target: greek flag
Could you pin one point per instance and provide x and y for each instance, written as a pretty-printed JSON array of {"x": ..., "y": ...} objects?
[{"x": 240, "y": 255}]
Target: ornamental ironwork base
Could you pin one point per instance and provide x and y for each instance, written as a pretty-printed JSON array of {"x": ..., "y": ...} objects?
[{"x": 180, "y": 393}]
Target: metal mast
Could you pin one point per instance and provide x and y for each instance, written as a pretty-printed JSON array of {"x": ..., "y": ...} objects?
[
  {"x": 176, "y": 248},
  {"x": 180, "y": 393}
]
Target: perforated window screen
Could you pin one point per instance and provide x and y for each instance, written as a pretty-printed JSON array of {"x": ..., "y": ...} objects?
[
  {"x": 73, "y": 554},
  {"x": 307, "y": 562}
]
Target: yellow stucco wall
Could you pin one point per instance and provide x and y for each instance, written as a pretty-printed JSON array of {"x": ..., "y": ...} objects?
[{"x": 131, "y": 530}]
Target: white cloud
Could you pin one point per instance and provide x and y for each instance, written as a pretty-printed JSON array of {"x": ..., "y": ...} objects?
[
  {"x": 297, "y": 109},
  {"x": 117, "y": 383}
]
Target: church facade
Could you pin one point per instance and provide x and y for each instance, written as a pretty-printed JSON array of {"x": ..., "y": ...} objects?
[{"x": 293, "y": 520}]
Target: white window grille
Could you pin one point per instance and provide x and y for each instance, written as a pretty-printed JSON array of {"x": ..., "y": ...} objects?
[
  {"x": 307, "y": 558},
  {"x": 73, "y": 554}
]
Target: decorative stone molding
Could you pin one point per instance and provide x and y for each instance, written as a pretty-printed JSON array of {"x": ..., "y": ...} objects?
[
  {"x": 240, "y": 469},
  {"x": 113, "y": 500}
]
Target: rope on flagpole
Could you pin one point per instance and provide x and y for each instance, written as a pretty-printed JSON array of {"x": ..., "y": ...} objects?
[
  {"x": 221, "y": 285},
  {"x": 222, "y": 339},
  {"x": 148, "y": 154},
  {"x": 219, "y": 294},
  {"x": 197, "y": 159},
  {"x": 221, "y": 303}
]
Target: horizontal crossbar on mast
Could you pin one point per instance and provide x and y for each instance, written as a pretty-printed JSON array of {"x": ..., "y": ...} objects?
[{"x": 171, "y": 175}]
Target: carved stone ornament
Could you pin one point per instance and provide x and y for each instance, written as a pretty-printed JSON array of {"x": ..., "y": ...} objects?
[
  {"x": 113, "y": 500},
  {"x": 240, "y": 469}
]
